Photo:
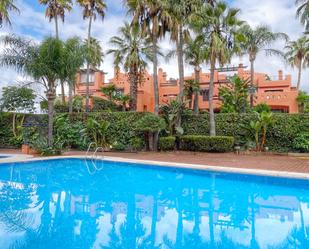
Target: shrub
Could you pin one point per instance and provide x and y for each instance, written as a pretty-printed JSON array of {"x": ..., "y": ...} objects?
[
  {"x": 206, "y": 143},
  {"x": 41, "y": 146},
  {"x": 100, "y": 104},
  {"x": 137, "y": 143},
  {"x": 280, "y": 136},
  {"x": 301, "y": 142},
  {"x": 118, "y": 146},
  {"x": 167, "y": 143}
]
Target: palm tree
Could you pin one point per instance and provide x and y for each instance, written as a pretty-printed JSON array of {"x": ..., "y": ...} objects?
[
  {"x": 195, "y": 53},
  {"x": 42, "y": 62},
  {"x": 132, "y": 50},
  {"x": 257, "y": 40},
  {"x": 109, "y": 91},
  {"x": 303, "y": 12},
  {"x": 220, "y": 26},
  {"x": 5, "y": 7},
  {"x": 55, "y": 9},
  {"x": 191, "y": 88},
  {"x": 73, "y": 59},
  {"x": 124, "y": 100},
  {"x": 91, "y": 9},
  {"x": 180, "y": 12},
  {"x": 297, "y": 55},
  {"x": 154, "y": 20}
]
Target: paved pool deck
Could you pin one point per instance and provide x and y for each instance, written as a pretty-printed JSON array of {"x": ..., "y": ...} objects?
[{"x": 263, "y": 162}]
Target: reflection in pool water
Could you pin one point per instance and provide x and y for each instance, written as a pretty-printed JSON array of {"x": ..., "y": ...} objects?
[{"x": 68, "y": 204}]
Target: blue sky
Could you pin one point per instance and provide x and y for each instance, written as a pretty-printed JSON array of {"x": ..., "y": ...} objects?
[{"x": 279, "y": 14}]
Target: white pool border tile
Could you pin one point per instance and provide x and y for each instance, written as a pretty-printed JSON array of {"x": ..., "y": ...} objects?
[{"x": 259, "y": 172}]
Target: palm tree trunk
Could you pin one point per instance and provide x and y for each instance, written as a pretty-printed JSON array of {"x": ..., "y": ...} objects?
[
  {"x": 70, "y": 98},
  {"x": 56, "y": 27},
  {"x": 212, "y": 124},
  {"x": 196, "y": 93},
  {"x": 180, "y": 61},
  {"x": 155, "y": 87},
  {"x": 252, "y": 82},
  {"x": 62, "y": 92},
  {"x": 50, "y": 99},
  {"x": 14, "y": 124},
  {"x": 133, "y": 88},
  {"x": 88, "y": 66},
  {"x": 155, "y": 76},
  {"x": 299, "y": 76}
]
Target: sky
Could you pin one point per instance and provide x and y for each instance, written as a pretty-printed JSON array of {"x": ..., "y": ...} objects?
[{"x": 31, "y": 23}]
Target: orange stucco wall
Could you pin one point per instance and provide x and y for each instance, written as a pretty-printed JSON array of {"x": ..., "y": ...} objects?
[{"x": 278, "y": 92}]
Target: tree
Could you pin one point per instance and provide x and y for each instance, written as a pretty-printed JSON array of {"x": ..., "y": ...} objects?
[
  {"x": 91, "y": 9},
  {"x": 180, "y": 11},
  {"x": 54, "y": 10},
  {"x": 234, "y": 96},
  {"x": 195, "y": 54},
  {"x": 220, "y": 27},
  {"x": 172, "y": 112},
  {"x": 73, "y": 58},
  {"x": 303, "y": 12},
  {"x": 109, "y": 91},
  {"x": 297, "y": 55},
  {"x": 257, "y": 40},
  {"x": 123, "y": 100},
  {"x": 132, "y": 50},
  {"x": 42, "y": 62},
  {"x": 5, "y": 7},
  {"x": 150, "y": 124},
  {"x": 154, "y": 19},
  {"x": 17, "y": 99},
  {"x": 191, "y": 88},
  {"x": 303, "y": 102}
]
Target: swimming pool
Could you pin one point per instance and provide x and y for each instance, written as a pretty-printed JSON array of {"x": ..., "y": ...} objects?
[{"x": 67, "y": 203}]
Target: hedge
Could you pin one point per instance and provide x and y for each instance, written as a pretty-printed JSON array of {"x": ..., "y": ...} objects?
[
  {"x": 206, "y": 143},
  {"x": 167, "y": 143},
  {"x": 122, "y": 128},
  {"x": 280, "y": 136}
]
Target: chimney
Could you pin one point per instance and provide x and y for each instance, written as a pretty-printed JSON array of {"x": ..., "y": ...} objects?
[{"x": 280, "y": 75}]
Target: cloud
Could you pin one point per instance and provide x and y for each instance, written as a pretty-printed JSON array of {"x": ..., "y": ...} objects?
[{"x": 279, "y": 14}]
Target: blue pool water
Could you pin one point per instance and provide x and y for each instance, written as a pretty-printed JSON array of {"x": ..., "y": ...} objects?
[{"x": 67, "y": 204}]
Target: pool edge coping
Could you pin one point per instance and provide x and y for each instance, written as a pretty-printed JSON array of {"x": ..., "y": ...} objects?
[{"x": 17, "y": 158}]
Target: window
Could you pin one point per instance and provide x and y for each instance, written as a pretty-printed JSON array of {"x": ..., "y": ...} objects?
[
  {"x": 119, "y": 93},
  {"x": 205, "y": 94},
  {"x": 83, "y": 78}
]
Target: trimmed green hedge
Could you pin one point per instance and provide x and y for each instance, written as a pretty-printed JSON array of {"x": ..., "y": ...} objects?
[
  {"x": 122, "y": 128},
  {"x": 167, "y": 143},
  {"x": 280, "y": 136},
  {"x": 206, "y": 143}
]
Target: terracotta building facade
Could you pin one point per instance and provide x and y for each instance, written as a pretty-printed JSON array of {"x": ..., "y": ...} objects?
[{"x": 276, "y": 91}]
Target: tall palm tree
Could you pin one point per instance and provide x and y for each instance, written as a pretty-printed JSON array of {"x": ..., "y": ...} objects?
[
  {"x": 5, "y": 7},
  {"x": 154, "y": 20},
  {"x": 180, "y": 11},
  {"x": 132, "y": 50},
  {"x": 73, "y": 59},
  {"x": 259, "y": 39},
  {"x": 91, "y": 9},
  {"x": 303, "y": 12},
  {"x": 220, "y": 26},
  {"x": 195, "y": 54},
  {"x": 56, "y": 9},
  {"x": 42, "y": 62},
  {"x": 297, "y": 55}
]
